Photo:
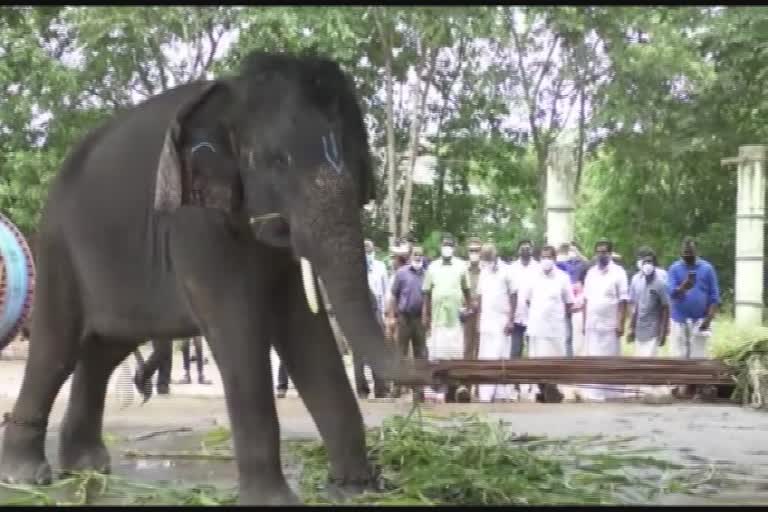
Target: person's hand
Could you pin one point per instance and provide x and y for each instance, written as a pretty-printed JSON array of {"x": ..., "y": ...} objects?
[
  {"x": 631, "y": 335},
  {"x": 705, "y": 324},
  {"x": 688, "y": 283},
  {"x": 509, "y": 328},
  {"x": 620, "y": 331},
  {"x": 426, "y": 322},
  {"x": 662, "y": 337}
]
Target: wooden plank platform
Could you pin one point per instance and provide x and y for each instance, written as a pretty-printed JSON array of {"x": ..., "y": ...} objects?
[{"x": 580, "y": 370}]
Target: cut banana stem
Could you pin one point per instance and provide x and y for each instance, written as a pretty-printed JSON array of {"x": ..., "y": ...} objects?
[{"x": 307, "y": 279}]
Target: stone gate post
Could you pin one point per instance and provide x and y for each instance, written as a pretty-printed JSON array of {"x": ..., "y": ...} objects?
[{"x": 750, "y": 218}]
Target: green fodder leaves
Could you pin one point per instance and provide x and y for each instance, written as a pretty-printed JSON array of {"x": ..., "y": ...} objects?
[
  {"x": 745, "y": 351},
  {"x": 429, "y": 460},
  {"x": 89, "y": 488},
  {"x": 465, "y": 461}
]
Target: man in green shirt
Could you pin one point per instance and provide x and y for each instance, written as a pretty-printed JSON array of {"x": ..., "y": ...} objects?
[{"x": 446, "y": 291}]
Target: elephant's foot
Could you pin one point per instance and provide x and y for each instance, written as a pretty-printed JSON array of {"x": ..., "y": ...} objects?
[
  {"x": 341, "y": 490},
  {"x": 25, "y": 469},
  {"x": 282, "y": 495},
  {"x": 23, "y": 460},
  {"x": 79, "y": 456}
]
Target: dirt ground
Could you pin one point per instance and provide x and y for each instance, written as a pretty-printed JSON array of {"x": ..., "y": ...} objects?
[{"x": 726, "y": 435}]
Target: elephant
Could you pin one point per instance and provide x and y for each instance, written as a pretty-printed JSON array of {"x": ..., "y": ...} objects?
[{"x": 215, "y": 208}]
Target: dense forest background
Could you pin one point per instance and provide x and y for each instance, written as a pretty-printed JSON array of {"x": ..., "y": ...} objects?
[{"x": 463, "y": 104}]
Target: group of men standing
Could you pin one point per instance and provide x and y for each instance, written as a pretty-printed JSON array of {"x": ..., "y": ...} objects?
[{"x": 559, "y": 304}]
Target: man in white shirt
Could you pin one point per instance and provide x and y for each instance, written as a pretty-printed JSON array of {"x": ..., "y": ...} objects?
[
  {"x": 496, "y": 304},
  {"x": 377, "y": 277},
  {"x": 522, "y": 271},
  {"x": 377, "y": 283},
  {"x": 605, "y": 308},
  {"x": 549, "y": 298}
]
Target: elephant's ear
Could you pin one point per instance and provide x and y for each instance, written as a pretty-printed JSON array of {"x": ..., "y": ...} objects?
[
  {"x": 170, "y": 180},
  {"x": 356, "y": 136}
]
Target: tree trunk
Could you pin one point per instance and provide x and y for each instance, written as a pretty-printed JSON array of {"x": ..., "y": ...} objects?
[
  {"x": 390, "y": 129},
  {"x": 419, "y": 104}
]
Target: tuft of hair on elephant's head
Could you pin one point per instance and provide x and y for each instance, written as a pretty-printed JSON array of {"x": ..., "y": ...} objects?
[{"x": 283, "y": 148}]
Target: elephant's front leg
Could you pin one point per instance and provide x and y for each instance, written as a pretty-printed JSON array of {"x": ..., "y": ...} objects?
[
  {"x": 228, "y": 298},
  {"x": 306, "y": 345}
]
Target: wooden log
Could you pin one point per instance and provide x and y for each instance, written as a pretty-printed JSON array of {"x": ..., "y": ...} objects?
[{"x": 579, "y": 370}]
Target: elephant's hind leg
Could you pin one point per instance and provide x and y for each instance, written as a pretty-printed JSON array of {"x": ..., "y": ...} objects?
[
  {"x": 306, "y": 344},
  {"x": 82, "y": 447},
  {"x": 53, "y": 352}
]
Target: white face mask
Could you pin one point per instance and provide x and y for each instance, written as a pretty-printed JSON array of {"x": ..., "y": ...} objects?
[
  {"x": 547, "y": 264},
  {"x": 647, "y": 268},
  {"x": 639, "y": 264},
  {"x": 473, "y": 257},
  {"x": 572, "y": 255},
  {"x": 446, "y": 251},
  {"x": 416, "y": 264},
  {"x": 562, "y": 257}
]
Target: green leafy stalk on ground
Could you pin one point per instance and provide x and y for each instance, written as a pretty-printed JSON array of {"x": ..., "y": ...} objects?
[
  {"x": 745, "y": 350},
  {"x": 465, "y": 461},
  {"x": 459, "y": 460}
]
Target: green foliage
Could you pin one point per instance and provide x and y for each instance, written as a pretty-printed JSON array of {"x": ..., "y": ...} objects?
[
  {"x": 668, "y": 92},
  {"x": 463, "y": 460}
]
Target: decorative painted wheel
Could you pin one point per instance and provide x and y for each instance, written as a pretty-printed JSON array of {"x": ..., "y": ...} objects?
[{"x": 17, "y": 281}]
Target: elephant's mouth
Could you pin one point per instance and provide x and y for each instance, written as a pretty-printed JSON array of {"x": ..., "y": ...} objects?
[{"x": 272, "y": 229}]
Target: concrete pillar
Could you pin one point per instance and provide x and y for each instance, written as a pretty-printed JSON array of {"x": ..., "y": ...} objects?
[
  {"x": 750, "y": 219},
  {"x": 561, "y": 174}
]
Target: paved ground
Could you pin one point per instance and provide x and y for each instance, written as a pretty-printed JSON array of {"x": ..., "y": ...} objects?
[{"x": 723, "y": 433}]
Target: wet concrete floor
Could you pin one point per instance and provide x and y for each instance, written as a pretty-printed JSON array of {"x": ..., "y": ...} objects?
[{"x": 730, "y": 437}]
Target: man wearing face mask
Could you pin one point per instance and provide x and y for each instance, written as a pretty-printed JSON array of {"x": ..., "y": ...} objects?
[
  {"x": 496, "y": 303},
  {"x": 649, "y": 317},
  {"x": 695, "y": 293},
  {"x": 522, "y": 271},
  {"x": 644, "y": 251},
  {"x": 549, "y": 298},
  {"x": 377, "y": 284},
  {"x": 446, "y": 290},
  {"x": 405, "y": 309},
  {"x": 469, "y": 316},
  {"x": 605, "y": 308}
]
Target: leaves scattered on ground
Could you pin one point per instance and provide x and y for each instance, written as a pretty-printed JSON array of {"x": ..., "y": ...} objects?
[
  {"x": 465, "y": 461},
  {"x": 424, "y": 460}
]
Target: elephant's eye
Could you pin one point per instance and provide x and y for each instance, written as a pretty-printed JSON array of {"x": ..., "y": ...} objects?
[{"x": 279, "y": 159}]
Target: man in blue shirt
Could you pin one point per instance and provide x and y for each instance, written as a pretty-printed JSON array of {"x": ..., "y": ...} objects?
[{"x": 695, "y": 296}]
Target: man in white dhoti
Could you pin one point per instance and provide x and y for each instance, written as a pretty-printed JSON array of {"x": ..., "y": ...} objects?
[
  {"x": 446, "y": 290},
  {"x": 496, "y": 304},
  {"x": 549, "y": 298},
  {"x": 605, "y": 310}
]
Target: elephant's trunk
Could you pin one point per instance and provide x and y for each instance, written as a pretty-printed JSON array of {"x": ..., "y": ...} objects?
[{"x": 339, "y": 260}]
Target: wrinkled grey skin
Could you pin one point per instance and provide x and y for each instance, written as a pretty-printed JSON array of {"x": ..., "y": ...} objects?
[{"x": 121, "y": 259}]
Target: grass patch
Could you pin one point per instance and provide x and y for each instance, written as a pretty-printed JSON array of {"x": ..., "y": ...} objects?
[
  {"x": 462, "y": 460},
  {"x": 424, "y": 460},
  {"x": 92, "y": 488}
]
